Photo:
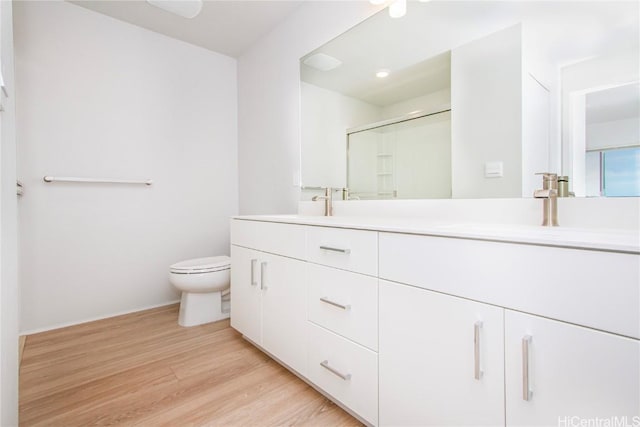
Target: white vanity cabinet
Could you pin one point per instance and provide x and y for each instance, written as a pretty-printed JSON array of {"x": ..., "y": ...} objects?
[
  {"x": 597, "y": 289},
  {"x": 345, "y": 303},
  {"x": 343, "y": 316},
  {"x": 407, "y": 329},
  {"x": 569, "y": 371},
  {"x": 575, "y": 367},
  {"x": 247, "y": 295},
  {"x": 345, "y": 370},
  {"x": 269, "y": 293},
  {"x": 441, "y": 359},
  {"x": 351, "y": 250}
]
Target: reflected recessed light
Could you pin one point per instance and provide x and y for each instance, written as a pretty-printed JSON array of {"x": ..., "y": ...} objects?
[
  {"x": 322, "y": 62},
  {"x": 381, "y": 74},
  {"x": 184, "y": 8},
  {"x": 398, "y": 8}
]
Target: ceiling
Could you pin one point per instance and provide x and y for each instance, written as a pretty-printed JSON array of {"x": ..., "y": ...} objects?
[
  {"x": 227, "y": 27},
  {"x": 556, "y": 33},
  {"x": 619, "y": 103}
]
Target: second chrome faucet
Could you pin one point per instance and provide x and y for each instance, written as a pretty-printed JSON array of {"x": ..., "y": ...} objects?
[
  {"x": 549, "y": 193},
  {"x": 328, "y": 201}
]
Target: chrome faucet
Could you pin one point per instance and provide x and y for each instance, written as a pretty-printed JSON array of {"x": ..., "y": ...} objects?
[
  {"x": 345, "y": 193},
  {"x": 549, "y": 193},
  {"x": 328, "y": 206}
]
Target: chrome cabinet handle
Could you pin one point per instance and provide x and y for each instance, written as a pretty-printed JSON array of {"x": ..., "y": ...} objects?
[
  {"x": 335, "y": 304},
  {"x": 526, "y": 390},
  {"x": 477, "y": 372},
  {"x": 254, "y": 282},
  {"x": 325, "y": 365},
  {"x": 329, "y": 248},
  {"x": 263, "y": 275}
]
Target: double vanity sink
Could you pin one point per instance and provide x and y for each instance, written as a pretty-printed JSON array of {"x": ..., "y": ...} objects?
[
  {"x": 596, "y": 239},
  {"x": 414, "y": 322}
]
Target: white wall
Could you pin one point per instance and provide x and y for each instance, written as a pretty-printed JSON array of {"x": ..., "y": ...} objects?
[
  {"x": 536, "y": 132},
  {"x": 576, "y": 212},
  {"x": 486, "y": 90},
  {"x": 8, "y": 231},
  {"x": 426, "y": 102},
  {"x": 97, "y": 97},
  {"x": 326, "y": 116},
  {"x": 577, "y": 80},
  {"x": 423, "y": 158},
  {"x": 364, "y": 163},
  {"x": 612, "y": 134},
  {"x": 539, "y": 70},
  {"x": 269, "y": 103}
]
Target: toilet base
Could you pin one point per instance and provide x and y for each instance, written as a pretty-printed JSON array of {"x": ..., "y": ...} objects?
[{"x": 200, "y": 308}]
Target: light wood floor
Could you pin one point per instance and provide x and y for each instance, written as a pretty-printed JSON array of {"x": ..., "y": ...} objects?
[{"x": 144, "y": 369}]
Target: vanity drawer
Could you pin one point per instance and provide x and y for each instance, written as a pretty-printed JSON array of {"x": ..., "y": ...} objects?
[
  {"x": 344, "y": 302},
  {"x": 352, "y": 250},
  {"x": 345, "y": 370},
  {"x": 597, "y": 289},
  {"x": 273, "y": 237}
]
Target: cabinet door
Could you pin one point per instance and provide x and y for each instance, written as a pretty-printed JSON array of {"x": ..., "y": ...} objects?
[
  {"x": 573, "y": 373},
  {"x": 428, "y": 359},
  {"x": 246, "y": 309},
  {"x": 284, "y": 313}
]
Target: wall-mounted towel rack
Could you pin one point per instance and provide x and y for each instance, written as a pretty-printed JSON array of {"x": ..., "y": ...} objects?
[
  {"x": 309, "y": 187},
  {"x": 94, "y": 180}
]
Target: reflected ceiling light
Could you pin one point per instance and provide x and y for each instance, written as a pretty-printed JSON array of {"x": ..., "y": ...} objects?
[
  {"x": 322, "y": 62},
  {"x": 381, "y": 74},
  {"x": 184, "y": 8},
  {"x": 398, "y": 8}
]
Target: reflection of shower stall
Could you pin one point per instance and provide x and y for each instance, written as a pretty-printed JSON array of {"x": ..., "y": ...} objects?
[
  {"x": 404, "y": 158},
  {"x": 386, "y": 185}
]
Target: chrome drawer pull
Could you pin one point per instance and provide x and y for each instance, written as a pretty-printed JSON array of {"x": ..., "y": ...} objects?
[
  {"x": 342, "y": 251},
  {"x": 263, "y": 275},
  {"x": 254, "y": 282},
  {"x": 477, "y": 372},
  {"x": 335, "y": 304},
  {"x": 526, "y": 390},
  {"x": 325, "y": 365}
]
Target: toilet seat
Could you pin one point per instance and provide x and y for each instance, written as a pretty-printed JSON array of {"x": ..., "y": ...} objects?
[{"x": 201, "y": 265}]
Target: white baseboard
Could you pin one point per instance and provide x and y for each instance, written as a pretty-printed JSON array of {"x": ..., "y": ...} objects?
[{"x": 93, "y": 319}]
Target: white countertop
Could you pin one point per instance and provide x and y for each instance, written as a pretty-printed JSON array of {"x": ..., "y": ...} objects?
[{"x": 595, "y": 239}]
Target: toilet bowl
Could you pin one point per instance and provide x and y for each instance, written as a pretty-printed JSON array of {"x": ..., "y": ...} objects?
[{"x": 204, "y": 283}]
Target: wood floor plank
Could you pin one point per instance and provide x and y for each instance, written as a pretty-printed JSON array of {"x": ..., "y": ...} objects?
[
  {"x": 84, "y": 365},
  {"x": 22, "y": 340},
  {"x": 143, "y": 369},
  {"x": 63, "y": 403}
]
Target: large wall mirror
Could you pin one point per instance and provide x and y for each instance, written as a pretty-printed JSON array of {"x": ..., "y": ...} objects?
[{"x": 470, "y": 99}]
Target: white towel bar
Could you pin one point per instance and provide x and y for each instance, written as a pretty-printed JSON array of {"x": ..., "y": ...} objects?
[{"x": 94, "y": 180}]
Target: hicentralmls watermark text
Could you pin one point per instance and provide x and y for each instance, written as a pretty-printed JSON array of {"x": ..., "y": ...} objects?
[{"x": 575, "y": 421}]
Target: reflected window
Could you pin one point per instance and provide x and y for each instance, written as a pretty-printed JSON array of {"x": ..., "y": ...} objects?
[{"x": 613, "y": 173}]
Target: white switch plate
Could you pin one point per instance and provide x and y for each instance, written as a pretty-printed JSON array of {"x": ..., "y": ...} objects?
[{"x": 493, "y": 170}]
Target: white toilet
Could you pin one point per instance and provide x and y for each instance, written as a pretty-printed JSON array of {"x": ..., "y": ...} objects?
[{"x": 204, "y": 283}]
